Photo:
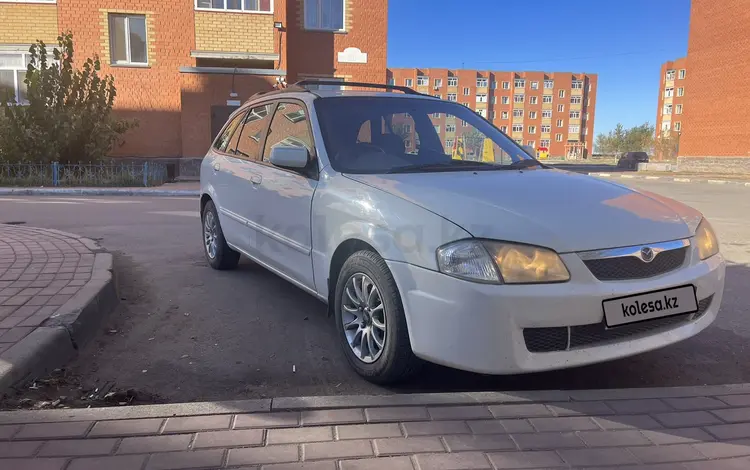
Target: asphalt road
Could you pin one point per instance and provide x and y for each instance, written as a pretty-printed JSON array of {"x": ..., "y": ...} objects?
[{"x": 186, "y": 332}]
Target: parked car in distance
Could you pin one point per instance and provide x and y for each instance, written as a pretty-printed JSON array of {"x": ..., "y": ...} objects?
[
  {"x": 630, "y": 160},
  {"x": 494, "y": 264}
]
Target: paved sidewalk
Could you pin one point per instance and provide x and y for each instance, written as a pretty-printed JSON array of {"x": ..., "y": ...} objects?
[
  {"x": 180, "y": 189},
  {"x": 667, "y": 428},
  {"x": 48, "y": 281},
  {"x": 676, "y": 177}
]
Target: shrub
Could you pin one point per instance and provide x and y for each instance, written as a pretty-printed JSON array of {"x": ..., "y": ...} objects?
[{"x": 69, "y": 113}]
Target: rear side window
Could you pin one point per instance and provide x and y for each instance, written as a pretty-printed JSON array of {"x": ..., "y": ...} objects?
[
  {"x": 289, "y": 127},
  {"x": 253, "y": 130},
  {"x": 222, "y": 142}
]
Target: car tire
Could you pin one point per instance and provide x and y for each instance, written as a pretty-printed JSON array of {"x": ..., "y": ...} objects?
[
  {"x": 396, "y": 361},
  {"x": 215, "y": 248}
]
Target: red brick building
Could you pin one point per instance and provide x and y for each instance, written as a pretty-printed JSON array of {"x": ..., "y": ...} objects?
[
  {"x": 715, "y": 133},
  {"x": 181, "y": 66},
  {"x": 549, "y": 110},
  {"x": 671, "y": 97}
]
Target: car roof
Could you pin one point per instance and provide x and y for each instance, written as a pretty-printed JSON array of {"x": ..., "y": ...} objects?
[{"x": 300, "y": 91}]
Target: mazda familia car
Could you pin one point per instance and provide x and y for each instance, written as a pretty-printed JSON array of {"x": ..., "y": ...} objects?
[{"x": 432, "y": 236}]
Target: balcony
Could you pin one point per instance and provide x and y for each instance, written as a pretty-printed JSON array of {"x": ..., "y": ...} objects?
[{"x": 228, "y": 35}]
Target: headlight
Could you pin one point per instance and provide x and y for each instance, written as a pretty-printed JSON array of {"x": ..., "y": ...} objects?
[
  {"x": 499, "y": 262},
  {"x": 705, "y": 238}
]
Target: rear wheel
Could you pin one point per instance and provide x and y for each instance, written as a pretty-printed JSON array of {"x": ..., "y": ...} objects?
[
  {"x": 218, "y": 254},
  {"x": 370, "y": 320}
]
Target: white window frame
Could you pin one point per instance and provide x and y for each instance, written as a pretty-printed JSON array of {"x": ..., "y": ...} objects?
[
  {"x": 576, "y": 85},
  {"x": 561, "y": 93},
  {"x": 322, "y": 28},
  {"x": 542, "y": 143},
  {"x": 506, "y": 85},
  {"x": 575, "y": 115},
  {"x": 545, "y": 129},
  {"x": 669, "y": 92},
  {"x": 669, "y": 75},
  {"x": 519, "y": 83},
  {"x": 678, "y": 109},
  {"x": 532, "y": 129},
  {"x": 452, "y": 97},
  {"x": 667, "y": 109},
  {"x": 494, "y": 100},
  {"x": 548, "y": 113},
  {"x": 504, "y": 115},
  {"x": 533, "y": 99},
  {"x": 409, "y": 82},
  {"x": 574, "y": 129},
  {"x": 128, "y": 61},
  {"x": 449, "y": 143},
  {"x": 534, "y": 85},
  {"x": 504, "y": 129},
  {"x": 437, "y": 129},
  {"x": 438, "y": 82},
  {"x": 517, "y": 113},
  {"x": 482, "y": 112},
  {"x": 197, "y": 8},
  {"x": 531, "y": 143},
  {"x": 423, "y": 80},
  {"x": 392, "y": 81},
  {"x": 532, "y": 114},
  {"x": 546, "y": 98},
  {"x": 517, "y": 128},
  {"x": 450, "y": 128},
  {"x": 560, "y": 123},
  {"x": 549, "y": 84},
  {"x": 482, "y": 83},
  {"x": 453, "y": 81},
  {"x": 494, "y": 114},
  {"x": 681, "y": 91},
  {"x": 576, "y": 99},
  {"x": 438, "y": 96},
  {"x": 558, "y": 137},
  {"x": 560, "y": 108},
  {"x": 481, "y": 97},
  {"x": 519, "y": 98},
  {"x": 682, "y": 74},
  {"x": 505, "y": 100},
  {"x": 678, "y": 126},
  {"x": 467, "y": 91},
  {"x": 15, "y": 69}
]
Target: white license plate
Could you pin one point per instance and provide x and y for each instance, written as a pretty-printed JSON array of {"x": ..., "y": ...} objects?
[{"x": 656, "y": 304}]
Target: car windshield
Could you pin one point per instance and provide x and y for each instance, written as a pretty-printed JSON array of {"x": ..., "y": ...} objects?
[{"x": 394, "y": 135}]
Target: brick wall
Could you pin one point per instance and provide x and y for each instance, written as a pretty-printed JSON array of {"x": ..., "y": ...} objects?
[
  {"x": 25, "y": 23},
  {"x": 234, "y": 32},
  {"x": 717, "y": 98},
  {"x": 677, "y": 83}
]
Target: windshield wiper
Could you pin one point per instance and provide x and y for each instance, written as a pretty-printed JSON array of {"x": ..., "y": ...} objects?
[{"x": 449, "y": 165}]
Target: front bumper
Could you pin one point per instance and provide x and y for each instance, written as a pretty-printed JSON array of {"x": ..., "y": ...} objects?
[{"x": 479, "y": 327}]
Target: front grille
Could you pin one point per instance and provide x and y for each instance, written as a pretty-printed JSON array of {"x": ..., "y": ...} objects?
[
  {"x": 631, "y": 267},
  {"x": 562, "y": 338}
]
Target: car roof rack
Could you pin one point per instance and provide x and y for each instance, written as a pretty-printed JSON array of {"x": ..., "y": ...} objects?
[{"x": 380, "y": 86}]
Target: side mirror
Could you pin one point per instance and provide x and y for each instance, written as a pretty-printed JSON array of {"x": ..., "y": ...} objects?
[{"x": 294, "y": 158}]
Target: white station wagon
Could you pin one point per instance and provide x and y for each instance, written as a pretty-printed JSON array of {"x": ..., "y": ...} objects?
[{"x": 433, "y": 236}]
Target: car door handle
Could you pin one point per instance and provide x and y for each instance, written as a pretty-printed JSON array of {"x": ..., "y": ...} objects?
[
  {"x": 256, "y": 179},
  {"x": 217, "y": 167}
]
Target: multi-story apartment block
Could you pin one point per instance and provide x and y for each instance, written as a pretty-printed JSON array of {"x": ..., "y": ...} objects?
[
  {"x": 181, "y": 66},
  {"x": 543, "y": 110},
  {"x": 716, "y": 134},
  {"x": 671, "y": 97}
]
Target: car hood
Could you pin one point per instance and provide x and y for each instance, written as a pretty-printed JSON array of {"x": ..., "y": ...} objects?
[{"x": 552, "y": 208}]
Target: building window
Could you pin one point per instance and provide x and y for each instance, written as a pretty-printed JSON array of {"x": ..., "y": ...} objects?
[
  {"x": 452, "y": 97},
  {"x": 574, "y": 129},
  {"x": 450, "y": 128},
  {"x": 682, "y": 77},
  {"x": 392, "y": 81},
  {"x": 546, "y": 113},
  {"x": 519, "y": 83},
  {"x": 12, "y": 75},
  {"x": 518, "y": 141},
  {"x": 408, "y": 82},
  {"x": 576, "y": 99},
  {"x": 467, "y": 92},
  {"x": 560, "y": 108},
  {"x": 422, "y": 80},
  {"x": 493, "y": 85},
  {"x": 127, "y": 39},
  {"x": 494, "y": 100},
  {"x": 532, "y": 114},
  {"x": 437, "y": 129},
  {"x": 532, "y": 129},
  {"x": 666, "y": 125},
  {"x": 482, "y": 112},
  {"x": 517, "y": 127},
  {"x": 464, "y": 123},
  {"x": 534, "y": 85},
  {"x": 546, "y": 129},
  {"x": 678, "y": 109},
  {"x": 452, "y": 81},
  {"x": 504, "y": 115},
  {"x": 262, "y": 6},
  {"x": 668, "y": 92},
  {"x": 669, "y": 75},
  {"x": 558, "y": 137},
  {"x": 448, "y": 143},
  {"x": 467, "y": 105},
  {"x": 547, "y": 99},
  {"x": 436, "y": 115},
  {"x": 549, "y": 84},
  {"x": 494, "y": 115},
  {"x": 678, "y": 126},
  {"x": 531, "y": 143},
  {"x": 506, "y": 85},
  {"x": 575, "y": 115},
  {"x": 518, "y": 113},
  {"x": 544, "y": 143},
  {"x": 559, "y": 123},
  {"x": 667, "y": 109},
  {"x": 533, "y": 99},
  {"x": 481, "y": 97},
  {"x": 561, "y": 94},
  {"x": 438, "y": 96},
  {"x": 481, "y": 83},
  {"x": 680, "y": 91},
  {"x": 327, "y": 15},
  {"x": 438, "y": 82},
  {"x": 577, "y": 85},
  {"x": 518, "y": 98},
  {"x": 504, "y": 129},
  {"x": 505, "y": 100}
]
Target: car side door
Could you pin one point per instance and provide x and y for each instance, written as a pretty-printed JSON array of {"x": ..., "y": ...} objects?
[{"x": 282, "y": 216}]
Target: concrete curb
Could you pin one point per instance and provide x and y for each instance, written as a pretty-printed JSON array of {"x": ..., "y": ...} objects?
[
  {"x": 302, "y": 404},
  {"x": 98, "y": 192},
  {"x": 57, "y": 341},
  {"x": 672, "y": 178}
]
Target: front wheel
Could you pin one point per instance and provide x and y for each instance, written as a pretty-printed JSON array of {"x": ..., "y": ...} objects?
[
  {"x": 370, "y": 321},
  {"x": 218, "y": 254}
]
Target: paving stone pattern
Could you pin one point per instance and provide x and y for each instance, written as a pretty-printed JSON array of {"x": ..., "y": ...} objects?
[
  {"x": 40, "y": 270},
  {"x": 654, "y": 433}
]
